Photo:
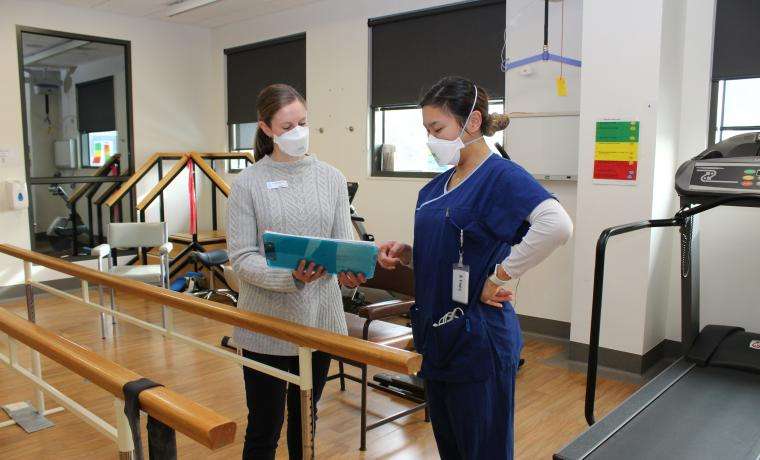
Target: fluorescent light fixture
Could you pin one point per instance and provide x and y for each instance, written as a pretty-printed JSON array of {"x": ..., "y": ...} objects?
[{"x": 184, "y": 6}]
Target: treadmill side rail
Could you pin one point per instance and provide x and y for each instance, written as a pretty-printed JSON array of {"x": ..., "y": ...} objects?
[{"x": 585, "y": 444}]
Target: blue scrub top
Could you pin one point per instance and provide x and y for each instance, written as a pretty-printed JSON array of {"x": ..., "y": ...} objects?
[{"x": 491, "y": 206}]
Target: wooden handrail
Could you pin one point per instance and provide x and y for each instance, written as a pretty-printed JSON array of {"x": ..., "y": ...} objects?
[
  {"x": 101, "y": 171},
  {"x": 161, "y": 185},
  {"x": 184, "y": 415},
  {"x": 351, "y": 348},
  {"x": 129, "y": 183},
  {"x": 140, "y": 173},
  {"x": 211, "y": 174},
  {"x": 153, "y": 159},
  {"x": 227, "y": 156}
]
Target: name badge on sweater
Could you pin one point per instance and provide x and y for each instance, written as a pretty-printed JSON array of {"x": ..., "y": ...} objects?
[{"x": 277, "y": 184}]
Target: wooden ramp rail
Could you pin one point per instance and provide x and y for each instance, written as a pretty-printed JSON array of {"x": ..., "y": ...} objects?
[
  {"x": 139, "y": 174},
  {"x": 189, "y": 418},
  {"x": 100, "y": 172},
  {"x": 158, "y": 157},
  {"x": 351, "y": 348}
]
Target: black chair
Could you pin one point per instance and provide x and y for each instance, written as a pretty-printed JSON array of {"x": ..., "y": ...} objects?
[
  {"x": 213, "y": 261},
  {"x": 367, "y": 324}
]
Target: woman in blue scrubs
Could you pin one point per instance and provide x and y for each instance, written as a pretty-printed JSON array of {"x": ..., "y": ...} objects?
[{"x": 477, "y": 226}]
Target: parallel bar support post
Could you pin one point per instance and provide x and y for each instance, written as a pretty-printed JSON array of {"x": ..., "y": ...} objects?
[
  {"x": 30, "y": 312},
  {"x": 168, "y": 320},
  {"x": 307, "y": 403},
  {"x": 39, "y": 396},
  {"x": 123, "y": 432},
  {"x": 106, "y": 321},
  {"x": 12, "y": 351}
]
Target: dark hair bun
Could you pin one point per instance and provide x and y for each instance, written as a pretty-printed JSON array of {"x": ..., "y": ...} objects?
[{"x": 495, "y": 122}]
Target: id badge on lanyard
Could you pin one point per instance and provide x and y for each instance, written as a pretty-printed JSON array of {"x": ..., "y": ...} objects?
[{"x": 460, "y": 283}]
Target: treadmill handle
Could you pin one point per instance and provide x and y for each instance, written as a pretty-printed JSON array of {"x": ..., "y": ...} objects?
[{"x": 596, "y": 309}]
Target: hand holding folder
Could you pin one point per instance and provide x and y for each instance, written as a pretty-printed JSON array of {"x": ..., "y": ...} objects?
[{"x": 336, "y": 256}]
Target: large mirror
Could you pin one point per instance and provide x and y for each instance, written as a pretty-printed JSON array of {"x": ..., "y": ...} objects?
[{"x": 77, "y": 128}]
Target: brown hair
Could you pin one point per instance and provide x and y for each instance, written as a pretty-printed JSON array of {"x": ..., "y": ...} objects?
[
  {"x": 455, "y": 95},
  {"x": 271, "y": 100}
]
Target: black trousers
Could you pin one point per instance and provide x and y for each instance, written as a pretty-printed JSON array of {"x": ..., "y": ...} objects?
[{"x": 266, "y": 397}]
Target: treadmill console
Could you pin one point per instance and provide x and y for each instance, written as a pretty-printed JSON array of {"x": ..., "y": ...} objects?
[{"x": 728, "y": 168}]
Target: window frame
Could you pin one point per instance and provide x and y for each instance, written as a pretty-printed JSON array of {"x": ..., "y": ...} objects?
[
  {"x": 233, "y": 148},
  {"x": 718, "y": 100},
  {"x": 376, "y": 155}
]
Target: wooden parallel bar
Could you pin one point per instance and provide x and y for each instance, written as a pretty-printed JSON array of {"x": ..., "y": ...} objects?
[
  {"x": 210, "y": 173},
  {"x": 184, "y": 415},
  {"x": 101, "y": 171},
  {"x": 351, "y": 348},
  {"x": 161, "y": 185}
]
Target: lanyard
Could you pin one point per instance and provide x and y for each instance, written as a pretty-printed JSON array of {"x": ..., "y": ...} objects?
[{"x": 461, "y": 238}]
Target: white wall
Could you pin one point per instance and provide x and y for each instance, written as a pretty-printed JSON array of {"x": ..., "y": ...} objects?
[
  {"x": 544, "y": 145},
  {"x": 620, "y": 79},
  {"x": 171, "y": 77},
  {"x": 337, "y": 81},
  {"x": 545, "y": 291},
  {"x": 664, "y": 200}
]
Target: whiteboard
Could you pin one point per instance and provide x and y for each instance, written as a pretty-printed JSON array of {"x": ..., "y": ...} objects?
[{"x": 545, "y": 145}]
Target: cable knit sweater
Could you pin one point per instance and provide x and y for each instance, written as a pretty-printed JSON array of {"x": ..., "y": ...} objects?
[{"x": 306, "y": 197}]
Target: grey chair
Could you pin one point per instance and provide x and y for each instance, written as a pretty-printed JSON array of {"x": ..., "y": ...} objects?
[{"x": 142, "y": 236}]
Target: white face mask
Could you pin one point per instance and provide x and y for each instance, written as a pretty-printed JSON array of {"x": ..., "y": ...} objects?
[
  {"x": 294, "y": 142},
  {"x": 447, "y": 152}
]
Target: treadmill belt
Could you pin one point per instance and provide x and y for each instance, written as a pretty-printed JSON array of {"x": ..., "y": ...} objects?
[{"x": 710, "y": 413}]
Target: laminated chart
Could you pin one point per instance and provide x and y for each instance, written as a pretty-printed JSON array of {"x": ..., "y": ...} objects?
[{"x": 616, "y": 150}]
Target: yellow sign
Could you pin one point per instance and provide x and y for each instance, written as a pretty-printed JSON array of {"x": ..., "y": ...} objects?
[{"x": 616, "y": 151}]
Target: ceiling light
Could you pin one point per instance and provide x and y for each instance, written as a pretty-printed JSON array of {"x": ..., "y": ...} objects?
[{"x": 183, "y": 6}]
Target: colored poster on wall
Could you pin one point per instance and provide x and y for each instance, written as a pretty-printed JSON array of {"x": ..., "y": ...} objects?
[
  {"x": 616, "y": 152},
  {"x": 102, "y": 146}
]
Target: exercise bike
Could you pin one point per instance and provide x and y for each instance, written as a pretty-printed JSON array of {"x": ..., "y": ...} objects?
[{"x": 62, "y": 230}]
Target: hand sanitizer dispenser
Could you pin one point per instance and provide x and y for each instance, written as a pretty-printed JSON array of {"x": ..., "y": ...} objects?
[{"x": 17, "y": 195}]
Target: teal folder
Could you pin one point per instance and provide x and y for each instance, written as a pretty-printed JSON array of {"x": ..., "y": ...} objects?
[{"x": 337, "y": 256}]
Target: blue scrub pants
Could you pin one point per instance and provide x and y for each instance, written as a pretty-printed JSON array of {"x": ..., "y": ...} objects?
[{"x": 474, "y": 420}]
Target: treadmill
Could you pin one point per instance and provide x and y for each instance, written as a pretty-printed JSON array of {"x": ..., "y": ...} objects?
[{"x": 706, "y": 405}]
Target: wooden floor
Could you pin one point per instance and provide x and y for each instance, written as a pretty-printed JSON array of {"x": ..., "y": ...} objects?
[{"x": 549, "y": 399}]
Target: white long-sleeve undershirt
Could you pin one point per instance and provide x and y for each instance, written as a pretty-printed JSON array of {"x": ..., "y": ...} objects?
[{"x": 550, "y": 228}]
